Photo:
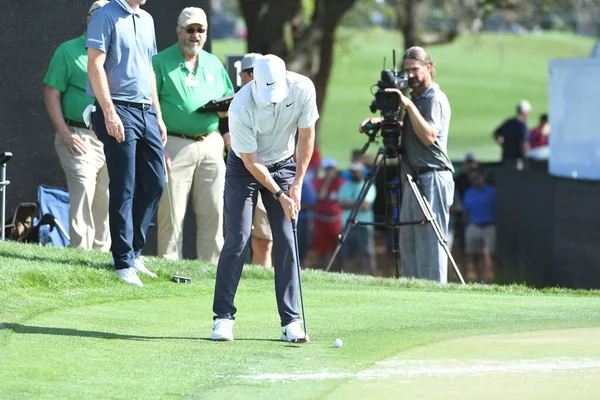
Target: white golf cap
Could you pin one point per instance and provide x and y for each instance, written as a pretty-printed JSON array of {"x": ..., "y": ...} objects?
[
  {"x": 524, "y": 106},
  {"x": 96, "y": 5},
  {"x": 270, "y": 79},
  {"x": 248, "y": 60},
  {"x": 192, "y": 15}
]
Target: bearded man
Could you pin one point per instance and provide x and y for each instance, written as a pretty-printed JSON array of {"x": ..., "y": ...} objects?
[{"x": 424, "y": 148}]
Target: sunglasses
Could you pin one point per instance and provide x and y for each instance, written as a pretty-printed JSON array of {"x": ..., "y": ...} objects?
[{"x": 191, "y": 31}]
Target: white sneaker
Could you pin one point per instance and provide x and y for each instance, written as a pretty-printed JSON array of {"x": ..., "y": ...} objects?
[
  {"x": 139, "y": 266},
  {"x": 294, "y": 333},
  {"x": 223, "y": 329},
  {"x": 130, "y": 277}
]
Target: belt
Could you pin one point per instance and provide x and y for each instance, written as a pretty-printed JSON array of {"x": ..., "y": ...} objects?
[
  {"x": 278, "y": 164},
  {"x": 424, "y": 170},
  {"x": 197, "y": 138},
  {"x": 76, "y": 124},
  {"x": 139, "y": 106}
]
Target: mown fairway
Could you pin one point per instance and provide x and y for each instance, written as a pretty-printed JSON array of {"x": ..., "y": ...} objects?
[
  {"x": 484, "y": 77},
  {"x": 71, "y": 330}
]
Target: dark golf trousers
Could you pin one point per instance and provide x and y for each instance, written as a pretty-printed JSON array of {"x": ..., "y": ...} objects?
[
  {"x": 137, "y": 178},
  {"x": 241, "y": 190}
]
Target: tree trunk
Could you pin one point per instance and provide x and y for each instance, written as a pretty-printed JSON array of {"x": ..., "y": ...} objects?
[
  {"x": 265, "y": 21},
  {"x": 406, "y": 17},
  {"x": 278, "y": 27}
]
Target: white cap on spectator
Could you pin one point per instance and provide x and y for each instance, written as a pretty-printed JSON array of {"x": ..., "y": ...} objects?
[
  {"x": 270, "y": 79},
  {"x": 524, "y": 107},
  {"x": 96, "y": 5},
  {"x": 248, "y": 60},
  {"x": 328, "y": 163}
]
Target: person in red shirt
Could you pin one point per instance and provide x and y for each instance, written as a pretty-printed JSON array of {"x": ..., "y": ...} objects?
[
  {"x": 327, "y": 213},
  {"x": 538, "y": 136}
]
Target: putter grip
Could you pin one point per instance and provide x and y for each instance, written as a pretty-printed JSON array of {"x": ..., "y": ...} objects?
[{"x": 293, "y": 224}]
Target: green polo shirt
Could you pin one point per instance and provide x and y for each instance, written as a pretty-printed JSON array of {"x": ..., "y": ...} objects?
[
  {"x": 181, "y": 91},
  {"x": 67, "y": 73}
]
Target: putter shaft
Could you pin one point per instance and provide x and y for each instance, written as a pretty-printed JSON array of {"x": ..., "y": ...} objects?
[{"x": 295, "y": 231}]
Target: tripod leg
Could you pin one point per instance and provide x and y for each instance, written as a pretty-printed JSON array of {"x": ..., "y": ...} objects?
[
  {"x": 378, "y": 162},
  {"x": 429, "y": 217}
]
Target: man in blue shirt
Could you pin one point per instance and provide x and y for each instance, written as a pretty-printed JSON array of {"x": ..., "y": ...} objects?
[
  {"x": 127, "y": 119},
  {"x": 479, "y": 207}
]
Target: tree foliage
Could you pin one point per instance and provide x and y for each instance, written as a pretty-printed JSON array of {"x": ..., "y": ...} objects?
[{"x": 302, "y": 32}]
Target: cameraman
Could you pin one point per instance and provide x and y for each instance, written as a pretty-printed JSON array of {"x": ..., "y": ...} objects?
[{"x": 424, "y": 143}]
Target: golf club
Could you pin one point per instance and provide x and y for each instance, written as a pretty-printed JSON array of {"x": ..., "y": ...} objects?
[{"x": 298, "y": 267}]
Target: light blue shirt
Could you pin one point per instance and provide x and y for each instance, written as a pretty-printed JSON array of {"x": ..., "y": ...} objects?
[
  {"x": 347, "y": 174},
  {"x": 349, "y": 192},
  {"x": 129, "y": 41}
]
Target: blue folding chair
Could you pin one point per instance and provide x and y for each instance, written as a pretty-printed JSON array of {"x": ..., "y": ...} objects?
[{"x": 54, "y": 210}]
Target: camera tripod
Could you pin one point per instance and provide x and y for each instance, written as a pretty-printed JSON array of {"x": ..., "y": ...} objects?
[{"x": 392, "y": 223}]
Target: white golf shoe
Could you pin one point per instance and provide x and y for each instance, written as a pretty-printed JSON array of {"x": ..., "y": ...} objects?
[
  {"x": 294, "y": 333},
  {"x": 139, "y": 266},
  {"x": 223, "y": 329},
  {"x": 130, "y": 277}
]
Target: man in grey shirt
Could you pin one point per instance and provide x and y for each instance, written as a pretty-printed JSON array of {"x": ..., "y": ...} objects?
[
  {"x": 127, "y": 119},
  {"x": 424, "y": 148}
]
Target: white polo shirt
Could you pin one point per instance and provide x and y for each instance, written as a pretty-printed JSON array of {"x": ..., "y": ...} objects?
[{"x": 270, "y": 129}]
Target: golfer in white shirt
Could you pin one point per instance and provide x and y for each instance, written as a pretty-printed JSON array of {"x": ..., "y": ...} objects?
[{"x": 264, "y": 117}]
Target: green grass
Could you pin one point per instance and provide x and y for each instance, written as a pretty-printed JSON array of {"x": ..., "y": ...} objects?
[
  {"x": 484, "y": 77},
  {"x": 71, "y": 329}
]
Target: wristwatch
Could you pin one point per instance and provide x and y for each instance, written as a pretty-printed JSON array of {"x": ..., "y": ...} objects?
[{"x": 277, "y": 195}]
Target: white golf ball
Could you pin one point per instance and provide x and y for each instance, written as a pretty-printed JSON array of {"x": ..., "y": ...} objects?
[{"x": 337, "y": 343}]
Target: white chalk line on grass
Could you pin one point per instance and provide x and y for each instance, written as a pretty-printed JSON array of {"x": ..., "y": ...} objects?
[{"x": 446, "y": 367}]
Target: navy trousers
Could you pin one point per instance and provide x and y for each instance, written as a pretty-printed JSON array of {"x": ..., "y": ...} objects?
[
  {"x": 137, "y": 178},
  {"x": 241, "y": 190}
]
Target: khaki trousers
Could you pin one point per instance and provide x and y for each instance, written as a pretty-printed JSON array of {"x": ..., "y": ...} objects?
[
  {"x": 196, "y": 167},
  {"x": 87, "y": 183},
  {"x": 261, "y": 228}
]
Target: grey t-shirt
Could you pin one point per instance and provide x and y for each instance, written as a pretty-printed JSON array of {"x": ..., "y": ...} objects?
[
  {"x": 435, "y": 108},
  {"x": 129, "y": 42}
]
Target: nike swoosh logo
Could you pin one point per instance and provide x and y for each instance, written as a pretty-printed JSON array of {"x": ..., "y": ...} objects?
[
  {"x": 287, "y": 105},
  {"x": 270, "y": 84}
]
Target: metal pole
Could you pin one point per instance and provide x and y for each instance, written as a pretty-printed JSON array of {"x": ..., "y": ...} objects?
[
  {"x": 295, "y": 232},
  {"x": 3, "y": 184}
]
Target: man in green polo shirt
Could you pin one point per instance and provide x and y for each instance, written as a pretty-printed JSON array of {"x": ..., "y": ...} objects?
[
  {"x": 187, "y": 77},
  {"x": 80, "y": 152}
]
